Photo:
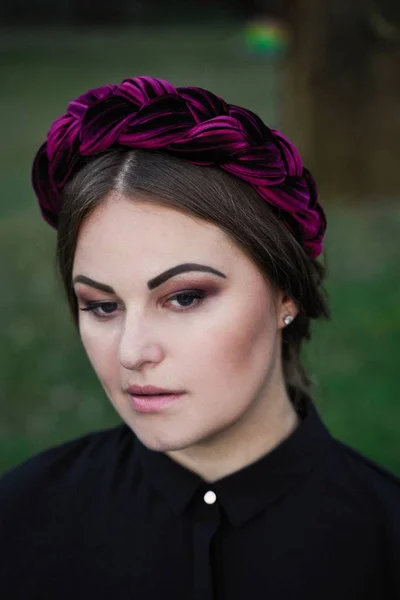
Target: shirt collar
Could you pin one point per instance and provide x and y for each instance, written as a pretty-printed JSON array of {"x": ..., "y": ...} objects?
[{"x": 248, "y": 491}]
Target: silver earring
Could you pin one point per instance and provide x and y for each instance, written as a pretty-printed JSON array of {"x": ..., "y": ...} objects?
[{"x": 288, "y": 319}]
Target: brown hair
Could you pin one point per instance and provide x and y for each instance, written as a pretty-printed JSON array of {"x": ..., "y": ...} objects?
[{"x": 217, "y": 197}]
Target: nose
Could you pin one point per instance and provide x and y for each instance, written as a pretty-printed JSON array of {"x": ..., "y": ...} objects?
[{"x": 138, "y": 344}]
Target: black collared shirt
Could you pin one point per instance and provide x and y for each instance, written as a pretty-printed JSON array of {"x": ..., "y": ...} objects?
[{"x": 102, "y": 517}]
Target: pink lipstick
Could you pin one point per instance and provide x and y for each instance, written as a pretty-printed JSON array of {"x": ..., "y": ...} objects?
[{"x": 152, "y": 403}]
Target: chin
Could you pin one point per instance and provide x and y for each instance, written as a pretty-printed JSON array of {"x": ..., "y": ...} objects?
[{"x": 165, "y": 443}]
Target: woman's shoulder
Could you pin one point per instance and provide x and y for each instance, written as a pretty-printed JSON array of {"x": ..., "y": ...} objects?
[
  {"x": 63, "y": 464},
  {"x": 372, "y": 473},
  {"x": 375, "y": 484}
]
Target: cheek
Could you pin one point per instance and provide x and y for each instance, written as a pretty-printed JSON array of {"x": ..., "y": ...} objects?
[
  {"x": 242, "y": 343},
  {"x": 101, "y": 348}
]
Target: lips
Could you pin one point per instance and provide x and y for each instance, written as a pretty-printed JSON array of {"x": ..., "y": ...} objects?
[
  {"x": 150, "y": 395},
  {"x": 152, "y": 403},
  {"x": 151, "y": 390}
]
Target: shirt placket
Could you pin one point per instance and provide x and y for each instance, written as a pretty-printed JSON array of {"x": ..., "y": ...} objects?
[{"x": 206, "y": 521}]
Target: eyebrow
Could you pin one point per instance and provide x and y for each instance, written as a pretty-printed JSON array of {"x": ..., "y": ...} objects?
[{"x": 156, "y": 281}]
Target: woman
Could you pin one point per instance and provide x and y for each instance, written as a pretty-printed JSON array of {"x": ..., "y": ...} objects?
[{"x": 188, "y": 233}]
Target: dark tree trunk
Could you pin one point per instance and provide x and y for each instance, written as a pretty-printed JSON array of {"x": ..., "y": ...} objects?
[{"x": 342, "y": 95}]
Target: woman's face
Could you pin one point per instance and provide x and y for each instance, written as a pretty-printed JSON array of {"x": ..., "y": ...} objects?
[{"x": 214, "y": 336}]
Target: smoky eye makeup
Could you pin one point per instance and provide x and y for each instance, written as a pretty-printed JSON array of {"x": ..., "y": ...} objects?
[
  {"x": 188, "y": 282},
  {"x": 87, "y": 294},
  {"x": 88, "y": 298}
]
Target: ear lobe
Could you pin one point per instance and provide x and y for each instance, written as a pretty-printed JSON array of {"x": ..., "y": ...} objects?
[
  {"x": 289, "y": 311},
  {"x": 288, "y": 319}
]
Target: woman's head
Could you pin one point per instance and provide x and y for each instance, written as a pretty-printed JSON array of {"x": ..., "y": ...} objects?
[{"x": 126, "y": 215}]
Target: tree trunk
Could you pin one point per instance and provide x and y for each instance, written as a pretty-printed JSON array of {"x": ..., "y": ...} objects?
[{"x": 342, "y": 96}]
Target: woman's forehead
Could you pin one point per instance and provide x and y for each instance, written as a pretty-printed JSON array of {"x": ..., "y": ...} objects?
[
  {"x": 123, "y": 224},
  {"x": 124, "y": 229},
  {"x": 118, "y": 213},
  {"x": 125, "y": 240}
]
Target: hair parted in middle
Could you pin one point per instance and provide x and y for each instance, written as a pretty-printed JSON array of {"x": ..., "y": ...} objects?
[{"x": 217, "y": 197}]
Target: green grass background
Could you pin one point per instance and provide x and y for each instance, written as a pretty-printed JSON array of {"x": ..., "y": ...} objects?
[{"x": 48, "y": 391}]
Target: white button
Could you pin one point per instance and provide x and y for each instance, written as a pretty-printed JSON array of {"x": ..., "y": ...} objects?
[{"x": 210, "y": 497}]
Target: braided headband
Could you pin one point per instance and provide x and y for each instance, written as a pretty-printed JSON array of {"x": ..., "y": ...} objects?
[{"x": 192, "y": 124}]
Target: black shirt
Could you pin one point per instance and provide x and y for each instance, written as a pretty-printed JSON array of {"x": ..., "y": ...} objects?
[{"x": 102, "y": 517}]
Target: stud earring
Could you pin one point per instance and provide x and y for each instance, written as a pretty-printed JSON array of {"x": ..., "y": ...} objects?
[{"x": 288, "y": 319}]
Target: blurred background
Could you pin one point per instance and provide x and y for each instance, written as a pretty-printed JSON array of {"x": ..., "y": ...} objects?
[{"x": 326, "y": 73}]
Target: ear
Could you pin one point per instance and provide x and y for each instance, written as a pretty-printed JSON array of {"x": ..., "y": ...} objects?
[{"x": 287, "y": 307}]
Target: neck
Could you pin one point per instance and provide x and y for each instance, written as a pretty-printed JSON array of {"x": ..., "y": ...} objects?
[{"x": 260, "y": 430}]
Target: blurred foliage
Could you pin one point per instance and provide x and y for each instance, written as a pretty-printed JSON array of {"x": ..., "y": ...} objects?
[{"x": 48, "y": 390}]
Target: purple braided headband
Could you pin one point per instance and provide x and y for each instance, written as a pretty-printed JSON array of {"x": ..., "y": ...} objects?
[{"x": 190, "y": 123}]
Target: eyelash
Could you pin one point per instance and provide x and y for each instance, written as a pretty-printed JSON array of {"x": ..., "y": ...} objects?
[{"x": 199, "y": 295}]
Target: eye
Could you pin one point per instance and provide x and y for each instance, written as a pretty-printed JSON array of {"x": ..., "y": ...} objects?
[
  {"x": 101, "y": 309},
  {"x": 186, "y": 298}
]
